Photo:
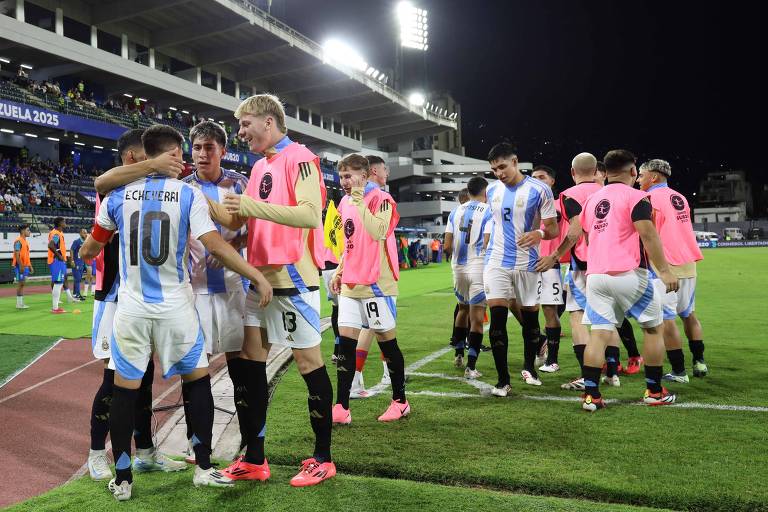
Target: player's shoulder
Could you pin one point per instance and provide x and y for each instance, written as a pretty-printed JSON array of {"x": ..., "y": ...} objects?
[
  {"x": 538, "y": 185},
  {"x": 189, "y": 179}
]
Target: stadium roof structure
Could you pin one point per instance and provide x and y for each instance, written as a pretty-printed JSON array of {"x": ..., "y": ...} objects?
[{"x": 237, "y": 44}]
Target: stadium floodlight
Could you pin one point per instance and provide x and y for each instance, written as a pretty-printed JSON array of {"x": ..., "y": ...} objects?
[
  {"x": 413, "y": 26},
  {"x": 113, "y": 149},
  {"x": 79, "y": 144},
  {"x": 172, "y": 108},
  {"x": 127, "y": 95},
  {"x": 416, "y": 99},
  {"x": 6, "y": 130},
  {"x": 54, "y": 139},
  {"x": 184, "y": 112},
  {"x": 25, "y": 66},
  {"x": 338, "y": 53},
  {"x": 371, "y": 71},
  {"x": 98, "y": 147},
  {"x": 31, "y": 135},
  {"x": 4, "y": 60},
  {"x": 143, "y": 99}
]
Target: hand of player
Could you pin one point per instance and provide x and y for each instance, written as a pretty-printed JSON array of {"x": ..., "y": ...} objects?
[
  {"x": 168, "y": 164},
  {"x": 529, "y": 239},
  {"x": 336, "y": 284},
  {"x": 232, "y": 203},
  {"x": 545, "y": 263},
  {"x": 213, "y": 263},
  {"x": 265, "y": 291},
  {"x": 670, "y": 280},
  {"x": 357, "y": 181},
  {"x": 31, "y": 270}
]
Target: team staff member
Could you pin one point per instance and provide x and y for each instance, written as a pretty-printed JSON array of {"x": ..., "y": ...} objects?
[{"x": 22, "y": 264}]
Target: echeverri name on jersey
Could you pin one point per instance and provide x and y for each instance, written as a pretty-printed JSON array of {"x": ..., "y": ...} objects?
[{"x": 152, "y": 195}]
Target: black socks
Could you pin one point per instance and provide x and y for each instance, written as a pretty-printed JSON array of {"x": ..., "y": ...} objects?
[
  {"x": 499, "y": 342},
  {"x": 254, "y": 402},
  {"x": 142, "y": 433},
  {"x": 100, "y": 411},
  {"x": 121, "y": 415},
  {"x": 345, "y": 369},
  {"x": 553, "y": 343},
  {"x": 199, "y": 403},
  {"x": 319, "y": 401},
  {"x": 475, "y": 341},
  {"x": 396, "y": 364}
]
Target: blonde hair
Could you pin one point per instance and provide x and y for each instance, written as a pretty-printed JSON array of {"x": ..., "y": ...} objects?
[
  {"x": 584, "y": 163},
  {"x": 263, "y": 105}
]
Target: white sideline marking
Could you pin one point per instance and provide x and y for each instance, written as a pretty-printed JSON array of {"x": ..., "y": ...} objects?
[
  {"x": 41, "y": 354},
  {"x": 46, "y": 381},
  {"x": 485, "y": 390}
]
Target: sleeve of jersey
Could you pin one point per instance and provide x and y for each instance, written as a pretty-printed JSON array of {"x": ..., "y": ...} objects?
[
  {"x": 375, "y": 223},
  {"x": 572, "y": 208},
  {"x": 449, "y": 224},
  {"x": 642, "y": 210},
  {"x": 17, "y": 246},
  {"x": 547, "y": 205},
  {"x": 487, "y": 220},
  {"x": 200, "y": 221},
  {"x": 308, "y": 210},
  {"x": 105, "y": 225}
]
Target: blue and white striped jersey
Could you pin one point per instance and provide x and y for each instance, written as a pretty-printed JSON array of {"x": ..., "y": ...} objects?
[
  {"x": 467, "y": 224},
  {"x": 516, "y": 210},
  {"x": 204, "y": 278},
  {"x": 156, "y": 216}
]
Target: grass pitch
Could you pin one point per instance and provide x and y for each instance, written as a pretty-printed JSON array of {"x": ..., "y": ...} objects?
[{"x": 530, "y": 447}]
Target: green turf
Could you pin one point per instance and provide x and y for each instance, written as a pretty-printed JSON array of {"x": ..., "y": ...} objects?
[
  {"x": 39, "y": 321},
  {"x": 689, "y": 459},
  {"x": 679, "y": 458},
  {"x": 18, "y": 351},
  {"x": 175, "y": 492}
]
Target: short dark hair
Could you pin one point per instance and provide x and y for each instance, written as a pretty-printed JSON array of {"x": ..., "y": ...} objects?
[
  {"x": 373, "y": 160},
  {"x": 502, "y": 150},
  {"x": 547, "y": 169},
  {"x": 476, "y": 185},
  {"x": 22, "y": 227},
  {"x": 617, "y": 159},
  {"x": 57, "y": 221},
  {"x": 463, "y": 196},
  {"x": 129, "y": 139},
  {"x": 209, "y": 130},
  {"x": 159, "y": 138},
  {"x": 600, "y": 166}
]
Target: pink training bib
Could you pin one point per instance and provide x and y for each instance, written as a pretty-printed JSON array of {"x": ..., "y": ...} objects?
[
  {"x": 273, "y": 181},
  {"x": 100, "y": 256},
  {"x": 614, "y": 244},
  {"x": 672, "y": 217},
  {"x": 580, "y": 193},
  {"x": 547, "y": 247},
  {"x": 361, "y": 252}
]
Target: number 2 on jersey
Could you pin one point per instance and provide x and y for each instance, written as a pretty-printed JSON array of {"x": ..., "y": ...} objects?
[{"x": 146, "y": 238}]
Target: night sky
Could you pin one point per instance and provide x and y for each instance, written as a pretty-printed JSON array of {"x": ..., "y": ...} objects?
[{"x": 673, "y": 80}]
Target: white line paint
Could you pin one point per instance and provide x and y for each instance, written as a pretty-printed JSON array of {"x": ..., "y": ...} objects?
[
  {"x": 41, "y": 354},
  {"x": 485, "y": 389},
  {"x": 46, "y": 381}
]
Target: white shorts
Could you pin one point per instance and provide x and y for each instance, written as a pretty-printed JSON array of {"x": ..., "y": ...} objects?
[
  {"x": 178, "y": 342},
  {"x": 682, "y": 302},
  {"x": 289, "y": 320},
  {"x": 468, "y": 286},
  {"x": 551, "y": 291},
  {"x": 327, "y": 277},
  {"x": 508, "y": 283},
  {"x": 611, "y": 298},
  {"x": 101, "y": 335},
  {"x": 576, "y": 299},
  {"x": 221, "y": 319},
  {"x": 378, "y": 314}
]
